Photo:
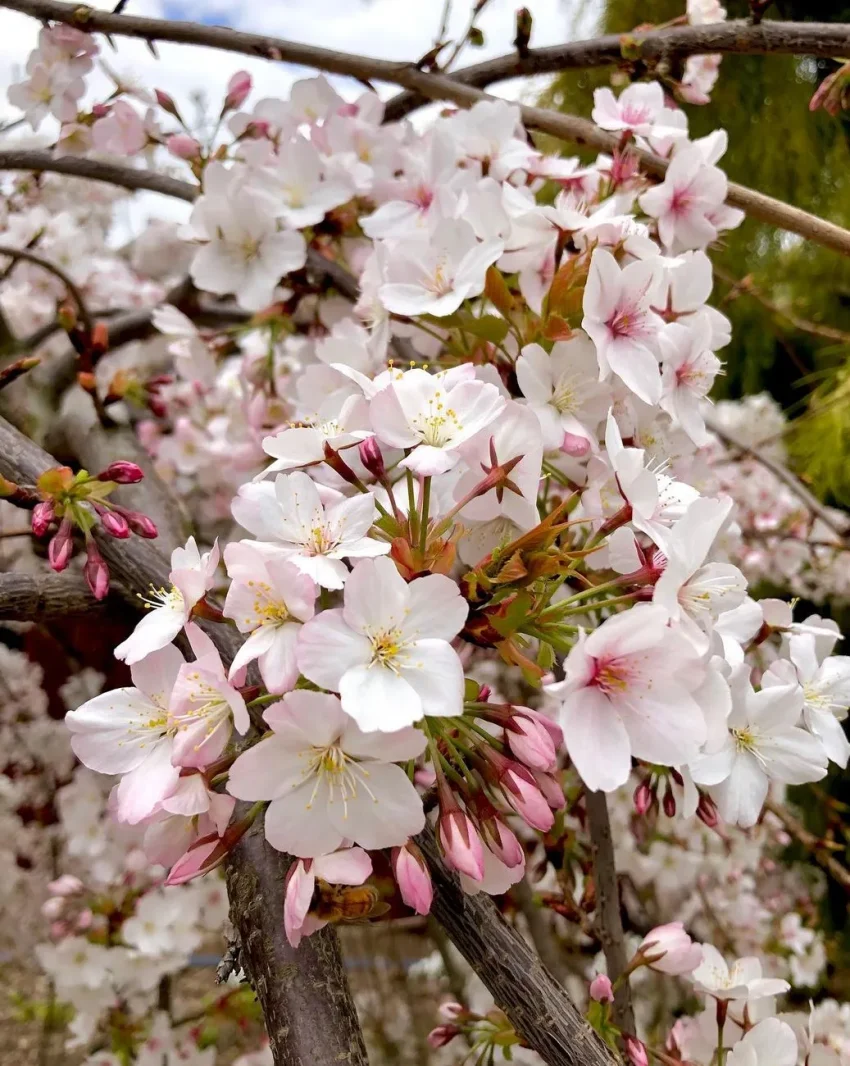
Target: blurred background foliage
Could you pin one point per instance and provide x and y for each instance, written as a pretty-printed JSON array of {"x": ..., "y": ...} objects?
[{"x": 789, "y": 300}]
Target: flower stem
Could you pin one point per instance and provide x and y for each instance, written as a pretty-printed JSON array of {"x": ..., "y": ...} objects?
[{"x": 426, "y": 506}]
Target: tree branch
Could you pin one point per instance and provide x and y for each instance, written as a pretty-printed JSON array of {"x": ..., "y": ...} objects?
[
  {"x": 17, "y": 254},
  {"x": 786, "y": 476},
  {"x": 30, "y": 598},
  {"x": 650, "y": 48},
  {"x": 811, "y": 843},
  {"x": 537, "y": 1006},
  {"x": 431, "y": 86},
  {"x": 609, "y": 923}
]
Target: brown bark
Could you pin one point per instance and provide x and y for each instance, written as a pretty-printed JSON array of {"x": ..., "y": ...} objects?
[
  {"x": 538, "y": 1007},
  {"x": 609, "y": 922},
  {"x": 29, "y": 597}
]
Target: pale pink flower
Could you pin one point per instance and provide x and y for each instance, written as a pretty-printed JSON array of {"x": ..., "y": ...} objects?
[
  {"x": 689, "y": 368},
  {"x": 434, "y": 414},
  {"x": 269, "y": 598},
  {"x": 684, "y": 202},
  {"x": 47, "y": 90},
  {"x": 770, "y": 1042},
  {"x": 304, "y": 445},
  {"x": 741, "y": 981},
  {"x": 640, "y": 108},
  {"x": 619, "y": 319},
  {"x": 668, "y": 949},
  {"x": 192, "y": 575},
  {"x": 121, "y": 132},
  {"x": 301, "y": 193},
  {"x": 327, "y": 780},
  {"x": 628, "y": 692},
  {"x": 387, "y": 651}
]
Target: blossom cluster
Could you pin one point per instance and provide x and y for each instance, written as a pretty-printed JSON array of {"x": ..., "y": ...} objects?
[{"x": 495, "y": 462}]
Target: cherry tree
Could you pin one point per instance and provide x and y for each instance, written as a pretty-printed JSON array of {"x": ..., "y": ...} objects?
[{"x": 395, "y": 470}]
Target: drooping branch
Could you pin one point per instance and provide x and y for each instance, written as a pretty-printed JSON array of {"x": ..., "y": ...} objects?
[
  {"x": 651, "y": 48},
  {"x": 609, "y": 923},
  {"x": 537, "y": 1006},
  {"x": 786, "y": 476},
  {"x": 566, "y": 127}
]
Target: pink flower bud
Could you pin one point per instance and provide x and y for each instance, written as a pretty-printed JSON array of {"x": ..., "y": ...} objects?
[
  {"x": 643, "y": 797},
  {"x": 530, "y": 741},
  {"x": 461, "y": 843},
  {"x": 84, "y": 920},
  {"x": 100, "y": 110},
  {"x": 53, "y": 907},
  {"x": 123, "y": 472},
  {"x": 140, "y": 524},
  {"x": 66, "y": 885},
  {"x": 372, "y": 457},
  {"x": 96, "y": 571},
  {"x": 42, "y": 515},
  {"x": 574, "y": 445},
  {"x": 668, "y": 949},
  {"x": 61, "y": 546},
  {"x": 601, "y": 989},
  {"x": 442, "y": 1035},
  {"x": 552, "y": 789},
  {"x": 668, "y": 804},
  {"x": 166, "y": 102},
  {"x": 484, "y": 694},
  {"x": 451, "y": 1011},
  {"x": 204, "y": 854},
  {"x": 238, "y": 89},
  {"x": 183, "y": 146},
  {"x": 114, "y": 524},
  {"x": 413, "y": 878},
  {"x": 635, "y": 1051},
  {"x": 707, "y": 811},
  {"x": 497, "y": 837}
]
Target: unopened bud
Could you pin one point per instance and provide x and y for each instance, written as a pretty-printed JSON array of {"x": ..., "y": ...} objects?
[
  {"x": 42, "y": 515},
  {"x": 140, "y": 524},
  {"x": 442, "y": 1035},
  {"x": 707, "y": 810},
  {"x": 530, "y": 741},
  {"x": 668, "y": 804},
  {"x": 183, "y": 146},
  {"x": 65, "y": 885},
  {"x": 601, "y": 989},
  {"x": 643, "y": 797},
  {"x": 575, "y": 446},
  {"x": 116, "y": 525},
  {"x": 167, "y": 103},
  {"x": 635, "y": 1049},
  {"x": 459, "y": 838},
  {"x": 413, "y": 878},
  {"x": 61, "y": 546},
  {"x": 96, "y": 571},
  {"x": 372, "y": 458},
  {"x": 238, "y": 89},
  {"x": 123, "y": 472}
]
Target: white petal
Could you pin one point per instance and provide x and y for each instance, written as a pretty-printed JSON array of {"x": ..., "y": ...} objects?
[{"x": 384, "y": 810}]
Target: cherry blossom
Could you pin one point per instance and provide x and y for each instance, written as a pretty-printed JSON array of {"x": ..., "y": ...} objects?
[
  {"x": 387, "y": 651},
  {"x": 741, "y": 981},
  {"x": 350, "y": 866},
  {"x": 327, "y": 780}
]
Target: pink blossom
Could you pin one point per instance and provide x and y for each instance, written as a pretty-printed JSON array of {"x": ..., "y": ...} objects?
[
  {"x": 668, "y": 949},
  {"x": 121, "y": 132},
  {"x": 601, "y": 989},
  {"x": 350, "y": 866},
  {"x": 413, "y": 878}
]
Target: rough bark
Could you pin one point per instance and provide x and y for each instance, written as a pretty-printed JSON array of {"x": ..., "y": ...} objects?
[
  {"x": 609, "y": 922},
  {"x": 29, "y": 597},
  {"x": 538, "y": 1007},
  {"x": 307, "y": 1007}
]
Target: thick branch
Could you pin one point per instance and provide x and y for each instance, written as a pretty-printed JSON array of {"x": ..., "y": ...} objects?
[
  {"x": 304, "y": 994},
  {"x": 787, "y": 477},
  {"x": 609, "y": 923},
  {"x": 30, "y": 598},
  {"x": 432, "y": 86},
  {"x": 650, "y": 47},
  {"x": 536, "y": 1004},
  {"x": 307, "y": 1006}
]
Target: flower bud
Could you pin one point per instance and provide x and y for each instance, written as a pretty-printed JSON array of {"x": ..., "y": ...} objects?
[
  {"x": 552, "y": 789},
  {"x": 484, "y": 694},
  {"x": 166, "y": 102},
  {"x": 707, "y": 811},
  {"x": 520, "y": 790},
  {"x": 450, "y": 1011},
  {"x": 459, "y": 839},
  {"x": 205, "y": 854},
  {"x": 635, "y": 1049},
  {"x": 96, "y": 571},
  {"x": 442, "y": 1035},
  {"x": 497, "y": 837},
  {"x": 42, "y": 515},
  {"x": 668, "y": 949},
  {"x": 643, "y": 797},
  {"x": 65, "y": 885},
  {"x": 668, "y": 804},
  {"x": 530, "y": 741},
  {"x": 61, "y": 546},
  {"x": 601, "y": 989},
  {"x": 183, "y": 146},
  {"x": 575, "y": 446},
  {"x": 53, "y": 907},
  {"x": 412, "y": 877},
  {"x": 372, "y": 458},
  {"x": 114, "y": 524},
  {"x": 140, "y": 524},
  {"x": 238, "y": 89},
  {"x": 123, "y": 472}
]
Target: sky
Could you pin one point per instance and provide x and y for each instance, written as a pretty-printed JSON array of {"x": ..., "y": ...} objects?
[{"x": 390, "y": 29}]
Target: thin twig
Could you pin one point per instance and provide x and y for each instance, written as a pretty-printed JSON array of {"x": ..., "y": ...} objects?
[
  {"x": 811, "y": 843},
  {"x": 47, "y": 264},
  {"x": 567, "y": 127},
  {"x": 609, "y": 923},
  {"x": 786, "y": 476}
]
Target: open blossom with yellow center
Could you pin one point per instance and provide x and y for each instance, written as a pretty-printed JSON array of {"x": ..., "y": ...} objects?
[
  {"x": 387, "y": 651},
  {"x": 327, "y": 780}
]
